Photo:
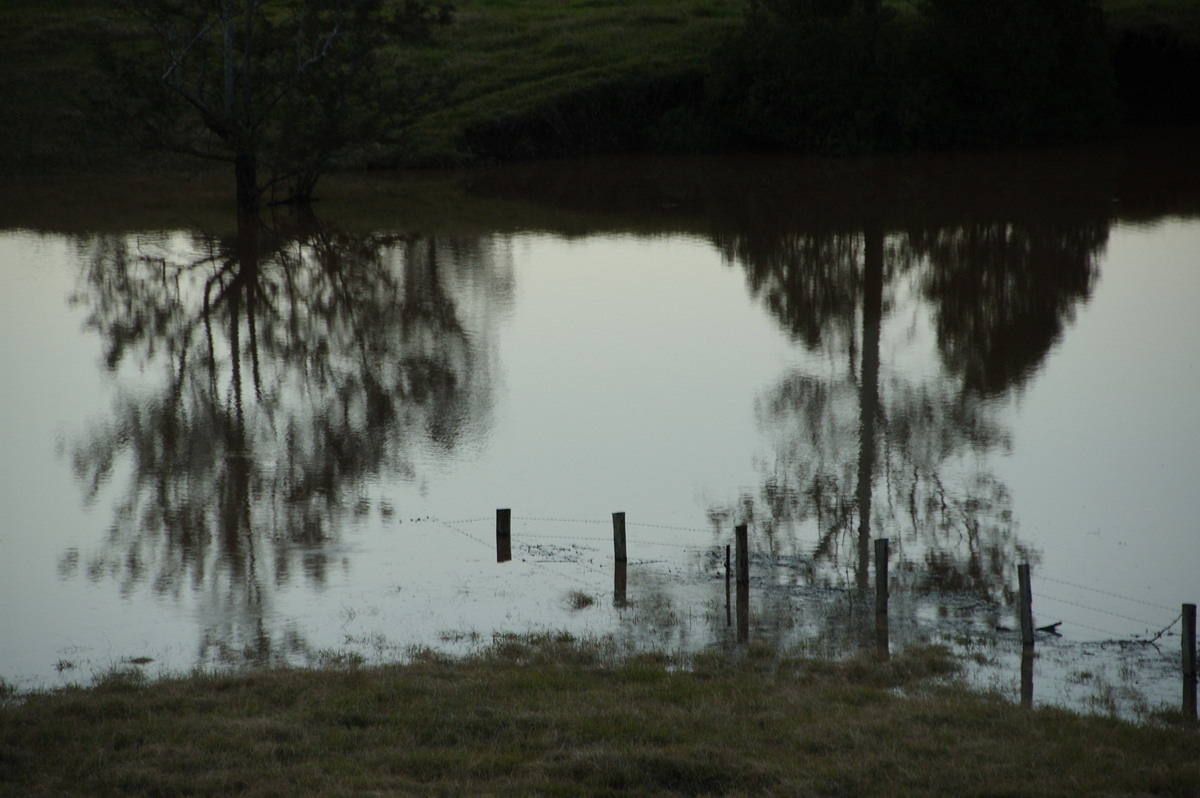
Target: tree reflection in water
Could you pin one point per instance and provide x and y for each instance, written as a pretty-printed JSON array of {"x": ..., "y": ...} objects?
[
  {"x": 283, "y": 368},
  {"x": 265, "y": 377},
  {"x": 980, "y": 259},
  {"x": 864, "y": 449}
]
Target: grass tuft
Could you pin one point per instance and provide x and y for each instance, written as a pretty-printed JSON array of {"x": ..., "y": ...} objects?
[
  {"x": 578, "y": 600},
  {"x": 119, "y": 680}
]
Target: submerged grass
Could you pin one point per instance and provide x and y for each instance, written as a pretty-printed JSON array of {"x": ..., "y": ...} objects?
[{"x": 550, "y": 715}]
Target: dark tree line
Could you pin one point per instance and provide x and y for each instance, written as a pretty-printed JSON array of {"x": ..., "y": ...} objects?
[{"x": 857, "y": 76}]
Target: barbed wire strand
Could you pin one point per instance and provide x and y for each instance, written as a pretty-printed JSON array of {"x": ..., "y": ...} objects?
[
  {"x": 547, "y": 520},
  {"x": 530, "y": 552},
  {"x": 528, "y": 536},
  {"x": 629, "y": 524},
  {"x": 531, "y": 549},
  {"x": 1043, "y": 596},
  {"x": 629, "y": 527},
  {"x": 454, "y": 528},
  {"x": 1107, "y": 634},
  {"x": 636, "y": 524},
  {"x": 1101, "y": 592},
  {"x": 608, "y": 540},
  {"x": 1164, "y": 630},
  {"x": 1112, "y": 637}
]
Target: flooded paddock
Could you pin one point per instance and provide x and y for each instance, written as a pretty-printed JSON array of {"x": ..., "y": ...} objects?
[{"x": 231, "y": 443}]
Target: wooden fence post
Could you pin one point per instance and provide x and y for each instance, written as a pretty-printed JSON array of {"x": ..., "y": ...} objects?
[
  {"x": 728, "y": 609},
  {"x": 619, "y": 582},
  {"x": 619, "y": 536},
  {"x": 1189, "y": 661},
  {"x": 882, "y": 641},
  {"x": 1027, "y": 676},
  {"x": 503, "y": 535},
  {"x": 1025, "y": 599},
  {"x": 741, "y": 538},
  {"x": 742, "y": 544}
]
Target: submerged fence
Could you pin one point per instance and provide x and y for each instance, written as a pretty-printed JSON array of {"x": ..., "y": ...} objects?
[
  {"x": 1186, "y": 619},
  {"x": 737, "y": 571}
]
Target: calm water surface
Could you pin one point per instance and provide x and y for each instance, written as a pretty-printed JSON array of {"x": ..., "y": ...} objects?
[{"x": 284, "y": 440}]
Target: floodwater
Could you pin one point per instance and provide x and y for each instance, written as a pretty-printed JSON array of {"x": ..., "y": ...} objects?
[{"x": 285, "y": 440}]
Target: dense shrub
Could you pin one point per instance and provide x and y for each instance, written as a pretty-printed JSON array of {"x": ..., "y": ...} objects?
[
  {"x": 622, "y": 115},
  {"x": 819, "y": 75},
  {"x": 1015, "y": 71},
  {"x": 845, "y": 75},
  {"x": 1158, "y": 74}
]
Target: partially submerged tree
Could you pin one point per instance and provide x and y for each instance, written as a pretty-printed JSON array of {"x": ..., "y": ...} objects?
[{"x": 281, "y": 89}]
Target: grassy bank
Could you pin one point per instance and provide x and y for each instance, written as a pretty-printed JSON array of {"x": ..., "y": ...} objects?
[
  {"x": 522, "y": 78},
  {"x": 552, "y": 716},
  {"x": 514, "y": 62}
]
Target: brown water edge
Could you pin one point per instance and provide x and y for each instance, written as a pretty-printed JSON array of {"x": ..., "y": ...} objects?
[
  {"x": 1149, "y": 172},
  {"x": 427, "y": 200},
  {"x": 116, "y": 203}
]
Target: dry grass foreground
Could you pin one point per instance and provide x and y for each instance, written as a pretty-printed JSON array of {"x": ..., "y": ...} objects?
[{"x": 550, "y": 715}]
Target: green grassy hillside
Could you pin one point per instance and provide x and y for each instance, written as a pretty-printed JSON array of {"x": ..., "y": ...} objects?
[{"x": 513, "y": 75}]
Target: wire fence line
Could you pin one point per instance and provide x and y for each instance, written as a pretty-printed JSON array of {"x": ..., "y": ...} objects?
[
  {"x": 775, "y": 560},
  {"x": 1149, "y": 637},
  {"x": 796, "y": 589},
  {"x": 1107, "y": 634},
  {"x": 456, "y": 527},
  {"x": 607, "y": 539},
  {"x": 601, "y": 539},
  {"x": 1101, "y": 592},
  {"x": 1095, "y": 609},
  {"x": 604, "y": 521}
]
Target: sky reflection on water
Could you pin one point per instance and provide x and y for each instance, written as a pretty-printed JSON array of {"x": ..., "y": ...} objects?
[{"x": 284, "y": 456}]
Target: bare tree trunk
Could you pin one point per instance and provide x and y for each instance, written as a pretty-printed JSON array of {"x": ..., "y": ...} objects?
[
  {"x": 229, "y": 55},
  {"x": 245, "y": 167}
]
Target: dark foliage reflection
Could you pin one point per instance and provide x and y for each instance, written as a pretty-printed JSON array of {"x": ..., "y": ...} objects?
[
  {"x": 925, "y": 292},
  {"x": 864, "y": 448},
  {"x": 277, "y": 371},
  {"x": 1003, "y": 293},
  {"x": 265, "y": 377}
]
